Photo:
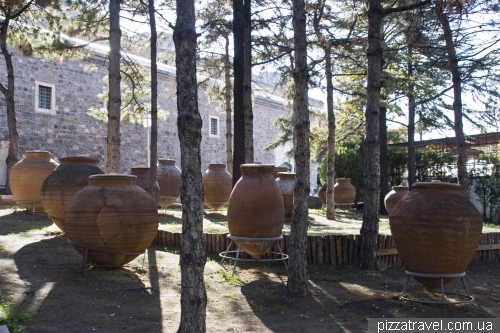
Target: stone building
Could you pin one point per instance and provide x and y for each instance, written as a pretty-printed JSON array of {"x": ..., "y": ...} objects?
[{"x": 53, "y": 99}]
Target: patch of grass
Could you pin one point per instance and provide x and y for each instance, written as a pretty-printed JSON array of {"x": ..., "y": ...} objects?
[
  {"x": 211, "y": 261},
  {"x": 229, "y": 277},
  {"x": 229, "y": 295},
  {"x": 1, "y": 249},
  {"x": 277, "y": 306},
  {"x": 173, "y": 251},
  {"x": 15, "y": 319}
]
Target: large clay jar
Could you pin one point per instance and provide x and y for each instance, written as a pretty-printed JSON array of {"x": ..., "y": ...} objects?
[
  {"x": 217, "y": 186},
  {"x": 168, "y": 177},
  {"x": 344, "y": 193},
  {"x": 143, "y": 173},
  {"x": 322, "y": 194},
  {"x": 27, "y": 176},
  {"x": 394, "y": 196},
  {"x": 278, "y": 169},
  {"x": 436, "y": 230},
  {"x": 286, "y": 183},
  {"x": 62, "y": 184},
  {"x": 256, "y": 208},
  {"x": 110, "y": 216}
]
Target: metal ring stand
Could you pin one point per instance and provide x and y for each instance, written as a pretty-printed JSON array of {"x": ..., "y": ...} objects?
[
  {"x": 102, "y": 249},
  {"x": 468, "y": 299},
  {"x": 34, "y": 202},
  {"x": 283, "y": 257}
]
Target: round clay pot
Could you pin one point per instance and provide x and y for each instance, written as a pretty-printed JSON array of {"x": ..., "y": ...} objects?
[
  {"x": 436, "y": 230},
  {"x": 27, "y": 176},
  {"x": 344, "y": 193},
  {"x": 286, "y": 183},
  {"x": 112, "y": 214},
  {"x": 143, "y": 173},
  {"x": 394, "y": 196},
  {"x": 217, "y": 186},
  {"x": 256, "y": 208},
  {"x": 322, "y": 194},
  {"x": 278, "y": 169},
  {"x": 62, "y": 184},
  {"x": 168, "y": 177}
]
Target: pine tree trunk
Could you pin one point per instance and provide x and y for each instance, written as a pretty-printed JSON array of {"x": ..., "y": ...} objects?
[
  {"x": 189, "y": 124},
  {"x": 297, "y": 275},
  {"x": 384, "y": 164},
  {"x": 239, "y": 106},
  {"x": 154, "y": 101},
  {"x": 8, "y": 93},
  {"x": 114, "y": 104},
  {"x": 371, "y": 162},
  {"x": 330, "y": 173},
  {"x": 247, "y": 82},
  {"x": 227, "y": 96},
  {"x": 457, "y": 97}
]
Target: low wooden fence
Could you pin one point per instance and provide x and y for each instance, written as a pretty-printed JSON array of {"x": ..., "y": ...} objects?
[{"x": 333, "y": 250}]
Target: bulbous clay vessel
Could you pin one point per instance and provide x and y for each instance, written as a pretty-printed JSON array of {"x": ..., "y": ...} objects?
[
  {"x": 344, "y": 193},
  {"x": 278, "y": 169},
  {"x": 394, "y": 196},
  {"x": 256, "y": 208},
  {"x": 286, "y": 183},
  {"x": 168, "y": 177},
  {"x": 62, "y": 184},
  {"x": 322, "y": 194},
  {"x": 112, "y": 214},
  {"x": 27, "y": 176},
  {"x": 436, "y": 230},
  {"x": 217, "y": 186},
  {"x": 142, "y": 173}
]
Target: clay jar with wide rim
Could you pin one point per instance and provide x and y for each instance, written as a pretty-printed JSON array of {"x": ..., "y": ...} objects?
[
  {"x": 394, "y": 196},
  {"x": 286, "y": 183},
  {"x": 112, "y": 214},
  {"x": 27, "y": 176},
  {"x": 256, "y": 208},
  {"x": 217, "y": 186},
  {"x": 168, "y": 176},
  {"x": 436, "y": 230},
  {"x": 344, "y": 193},
  {"x": 278, "y": 169},
  {"x": 143, "y": 173},
  {"x": 62, "y": 184}
]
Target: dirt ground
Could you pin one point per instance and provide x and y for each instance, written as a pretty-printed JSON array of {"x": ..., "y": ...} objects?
[{"x": 40, "y": 273}]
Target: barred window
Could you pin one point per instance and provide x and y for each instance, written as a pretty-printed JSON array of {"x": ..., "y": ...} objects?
[
  {"x": 214, "y": 126},
  {"x": 44, "y": 97}
]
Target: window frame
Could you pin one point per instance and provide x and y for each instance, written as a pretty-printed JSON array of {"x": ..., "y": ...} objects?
[
  {"x": 210, "y": 127},
  {"x": 52, "y": 87}
]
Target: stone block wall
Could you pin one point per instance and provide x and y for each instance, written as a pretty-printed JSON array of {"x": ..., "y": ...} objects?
[{"x": 71, "y": 131}]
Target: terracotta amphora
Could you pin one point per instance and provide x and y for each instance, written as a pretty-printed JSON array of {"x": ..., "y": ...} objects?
[
  {"x": 113, "y": 217},
  {"x": 436, "y": 230},
  {"x": 394, "y": 196},
  {"x": 344, "y": 193},
  {"x": 217, "y": 186},
  {"x": 62, "y": 184},
  {"x": 256, "y": 208},
  {"x": 143, "y": 173},
  {"x": 286, "y": 184},
  {"x": 168, "y": 176},
  {"x": 27, "y": 176}
]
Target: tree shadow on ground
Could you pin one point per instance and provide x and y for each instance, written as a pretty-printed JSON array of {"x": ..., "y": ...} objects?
[
  {"x": 101, "y": 299},
  {"x": 342, "y": 299},
  {"x": 22, "y": 221}
]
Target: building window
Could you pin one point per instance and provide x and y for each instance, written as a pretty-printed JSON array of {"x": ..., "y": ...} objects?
[
  {"x": 214, "y": 126},
  {"x": 45, "y": 97}
]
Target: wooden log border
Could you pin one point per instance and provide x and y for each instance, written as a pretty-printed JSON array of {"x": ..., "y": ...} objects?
[{"x": 332, "y": 250}]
